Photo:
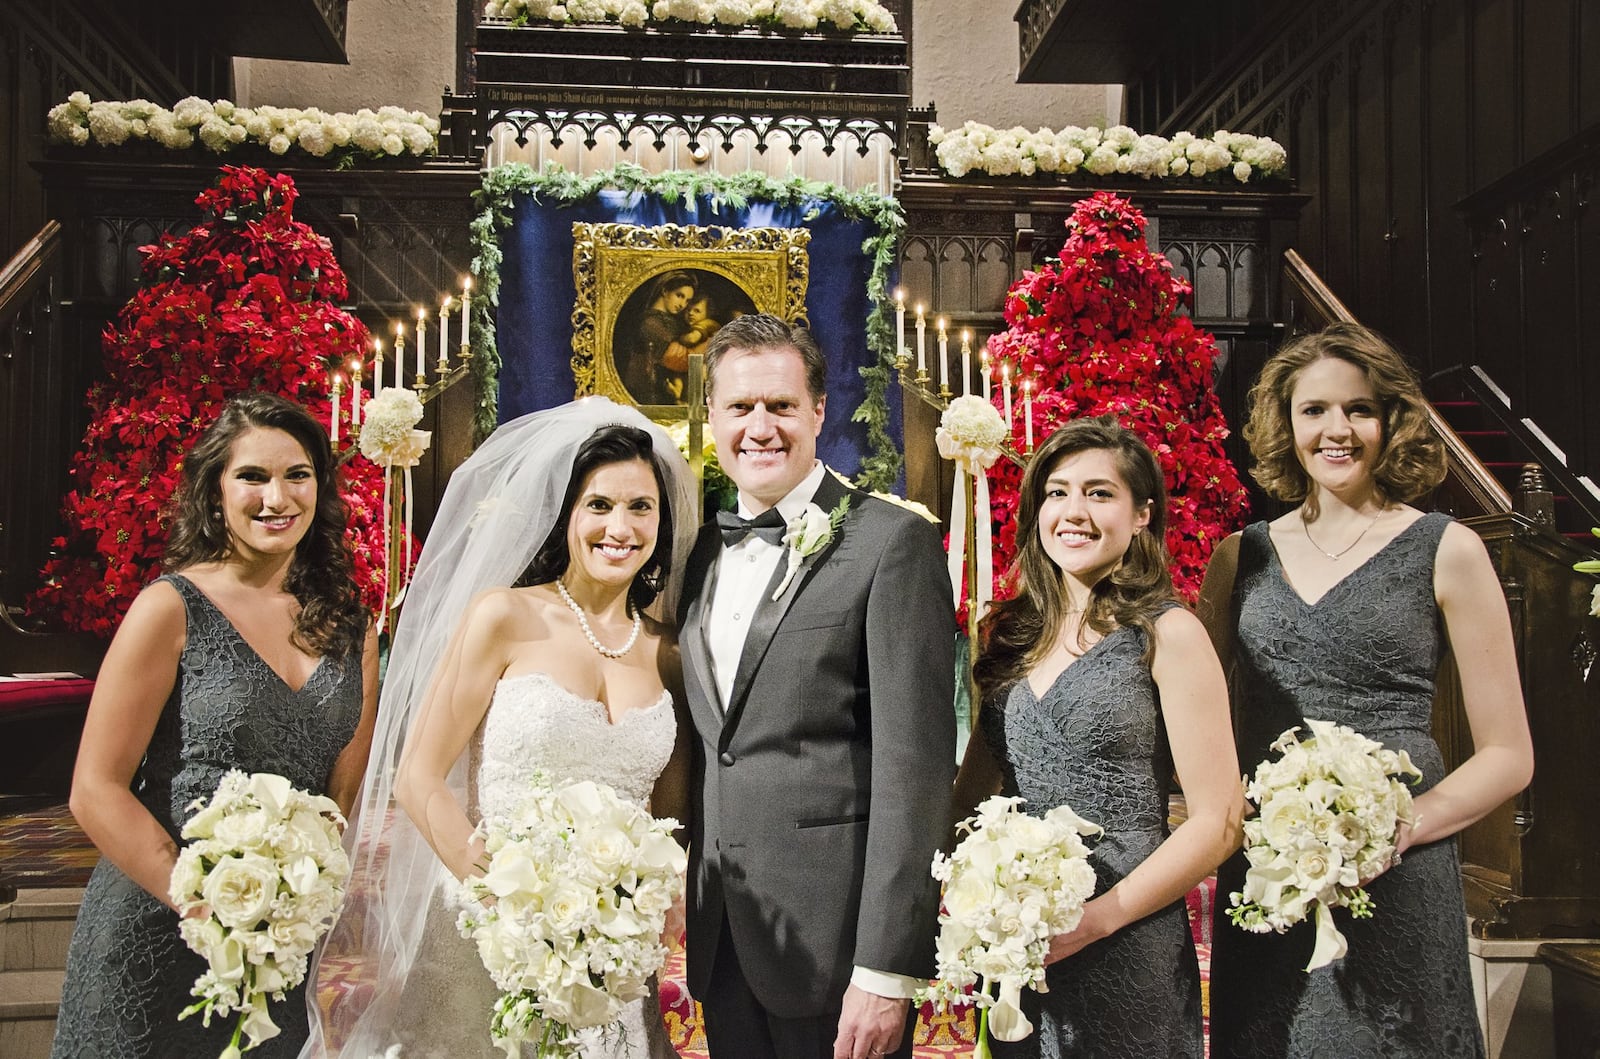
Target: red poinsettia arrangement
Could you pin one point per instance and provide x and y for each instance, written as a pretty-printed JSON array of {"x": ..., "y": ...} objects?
[
  {"x": 246, "y": 300},
  {"x": 1100, "y": 331}
]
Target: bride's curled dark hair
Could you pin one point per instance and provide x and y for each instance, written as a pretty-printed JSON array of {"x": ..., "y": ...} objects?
[
  {"x": 1018, "y": 632},
  {"x": 616, "y": 443},
  {"x": 332, "y": 620}
]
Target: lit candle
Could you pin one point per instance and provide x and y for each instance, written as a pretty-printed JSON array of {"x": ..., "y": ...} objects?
[
  {"x": 334, "y": 400},
  {"x": 1027, "y": 412},
  {"x": 377, "y": 366},
  {"x": 355, "y": 394},
  {"x": 922, "y": 342},
  {"x": 400, "y": 356},
  {"x": 900, "y": 324},
  {"x": 444, "y": 334},
  {"x": 422, "y": 348},
  {"x": 985, "y": 369},
  {"x": 466, "y": 315},
  {"x": 1005, "y": 390}
]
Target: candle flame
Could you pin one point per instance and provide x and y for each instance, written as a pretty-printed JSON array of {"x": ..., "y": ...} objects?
[
  {"x": 466, "y": 285},
  {"x": 449, "y": 299},
  {"x": 422, "y": 314}
]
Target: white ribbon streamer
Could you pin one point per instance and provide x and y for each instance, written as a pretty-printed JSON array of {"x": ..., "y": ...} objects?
[{"x": 983, "y": 543}]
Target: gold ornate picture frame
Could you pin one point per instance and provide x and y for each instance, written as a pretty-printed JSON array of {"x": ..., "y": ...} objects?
[{"x": 650, "y": 296}]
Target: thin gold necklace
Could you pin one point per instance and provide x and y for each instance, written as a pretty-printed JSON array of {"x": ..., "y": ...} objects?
[{"x": 1335, "y": 556}]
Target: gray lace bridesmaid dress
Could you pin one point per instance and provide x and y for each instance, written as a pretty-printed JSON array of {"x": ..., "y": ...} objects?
[
  {"x": 1364, "y": 655},
  {"x": 128, "y": 973},
  {"x": 1096, "y": 741}
]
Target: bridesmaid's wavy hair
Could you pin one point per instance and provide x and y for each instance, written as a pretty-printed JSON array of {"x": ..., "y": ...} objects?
[
  {"x": 332, "y": 620},
  {"x": 1018, "y": 632},
  {"x": 1412, "y": 461},
  {"x": 617, "y": 443}
]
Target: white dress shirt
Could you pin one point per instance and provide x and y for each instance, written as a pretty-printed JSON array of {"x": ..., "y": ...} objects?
[{"x": 744, "y": 571}]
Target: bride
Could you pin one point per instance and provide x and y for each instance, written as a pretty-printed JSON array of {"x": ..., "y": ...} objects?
[{"x": 523, "y": 645}]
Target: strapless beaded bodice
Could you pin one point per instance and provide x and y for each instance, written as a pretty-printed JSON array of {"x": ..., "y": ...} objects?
[{"x": 533, "y": 723}]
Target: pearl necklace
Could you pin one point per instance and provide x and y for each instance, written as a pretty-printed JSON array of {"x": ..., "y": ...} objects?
[
  {"x": 583, "y": 621},
  {"x": 1335, "y": 556}
]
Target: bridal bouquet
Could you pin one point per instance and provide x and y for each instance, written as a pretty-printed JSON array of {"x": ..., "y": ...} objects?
[
  {"x": 568, "y": 916},
  {"x": 264, "y": 859},
  {"x": 1329, "y": 811},
  {"x": 1013, "y": 883}
]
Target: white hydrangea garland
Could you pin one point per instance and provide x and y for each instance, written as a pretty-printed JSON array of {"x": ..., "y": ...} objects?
[
  {"x": 219, "y": 126},
  {"x": 1116, "y": 151},
  {"x": 859, "y": 16}
]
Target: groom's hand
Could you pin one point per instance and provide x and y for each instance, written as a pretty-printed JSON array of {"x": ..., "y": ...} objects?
[{"x": 870, "y": 1026}]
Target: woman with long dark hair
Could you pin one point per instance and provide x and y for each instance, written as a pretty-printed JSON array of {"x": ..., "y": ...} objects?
[
  {"x": 252, "y": 652},
  {"x": 527, "y": 643},
  {"x": 1096, "y": 684}
]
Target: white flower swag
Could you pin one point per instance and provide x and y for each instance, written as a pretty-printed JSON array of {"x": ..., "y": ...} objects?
[
  {"x": 568, "y": 916},
  {"x": 1119, "y": 150},
  {"x": 265, "y": 860},
  {"x": 1330, "y": 809},
  {"x": 1013, "y": 883},
  {"x": 850, "y": 16},
  {"x": 220, "y": 126}
]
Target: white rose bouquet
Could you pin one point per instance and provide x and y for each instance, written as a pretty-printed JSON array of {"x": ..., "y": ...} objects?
[
  {"x": 1013, "y": 883},
  {"x": 568, "y": 916},
  {"x": 264, "y": 859},
  {"x": 1330, "y": 809}
]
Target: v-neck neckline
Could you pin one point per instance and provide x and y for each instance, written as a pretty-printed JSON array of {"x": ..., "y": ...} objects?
[
  {"x": 252, "y": 647},
  {"x": 1040, "y": 695},
  {"x": 1312, "y": 604}
]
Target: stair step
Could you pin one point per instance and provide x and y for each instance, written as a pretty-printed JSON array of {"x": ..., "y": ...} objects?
[
  {"x": 30, "y": 994},
  {"x": 36, "y": 928}
]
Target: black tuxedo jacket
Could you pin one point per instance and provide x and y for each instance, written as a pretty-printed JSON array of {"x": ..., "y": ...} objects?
[{"x": 821, "y": 791}]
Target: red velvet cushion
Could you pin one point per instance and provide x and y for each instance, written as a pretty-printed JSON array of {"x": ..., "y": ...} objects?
[{"x": 26, "y": 696}]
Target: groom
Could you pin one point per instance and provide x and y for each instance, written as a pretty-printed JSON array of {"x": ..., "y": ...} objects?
[{"x": 819, "y": 674}]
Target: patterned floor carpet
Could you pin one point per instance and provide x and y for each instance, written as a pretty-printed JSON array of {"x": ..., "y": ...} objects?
[{"x": 41, "y": 847}]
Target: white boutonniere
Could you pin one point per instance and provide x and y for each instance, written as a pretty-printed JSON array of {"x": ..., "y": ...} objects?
[{"x": 807, "y": 534}]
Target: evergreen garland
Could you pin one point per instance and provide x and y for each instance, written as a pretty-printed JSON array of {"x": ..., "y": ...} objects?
[{"x": 495, "y": 201}]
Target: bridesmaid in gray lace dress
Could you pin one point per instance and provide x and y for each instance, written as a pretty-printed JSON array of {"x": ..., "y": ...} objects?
[
  {"x": 1341, "y": 610},
  {"x": 248, "y": 654},
  {"x": 1095, "y": 684}
]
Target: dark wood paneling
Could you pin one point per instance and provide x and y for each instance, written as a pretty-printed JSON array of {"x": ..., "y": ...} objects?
[
  {"x": 1406, "y": 143},
  {"x": 1445, "y": 252},
  {"x": 1548, "y": 62}
]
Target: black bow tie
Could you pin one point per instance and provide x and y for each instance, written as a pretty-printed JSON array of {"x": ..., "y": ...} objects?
[{"x": 769, "y": 526}]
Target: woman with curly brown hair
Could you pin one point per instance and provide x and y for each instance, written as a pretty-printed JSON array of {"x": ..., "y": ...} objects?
[
  {"x": 252, "y": 652},
  {"x": 1341, "y": 610},
  {"x": 1096, "y": 684}
]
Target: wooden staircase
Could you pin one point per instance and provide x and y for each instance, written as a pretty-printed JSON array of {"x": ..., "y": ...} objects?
[
  {"x": 35, "y": 927},
  {"x": 1517, "y": 453}
]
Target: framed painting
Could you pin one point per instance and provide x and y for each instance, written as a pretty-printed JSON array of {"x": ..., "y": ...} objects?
[{"x": 649, "y": 297}]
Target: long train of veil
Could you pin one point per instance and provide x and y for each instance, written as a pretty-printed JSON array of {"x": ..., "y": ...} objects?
[{"x": 498, "y": 508}]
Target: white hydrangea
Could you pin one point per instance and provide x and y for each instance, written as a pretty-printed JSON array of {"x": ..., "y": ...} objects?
[
  {"x": 1117, "y": 150},
  {"x": 847, "y": 16},
  {"x": 221, "y": 126}
]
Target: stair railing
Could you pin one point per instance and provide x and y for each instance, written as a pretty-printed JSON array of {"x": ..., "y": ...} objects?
[
  {"x": 1313, "y": 306},
  {"x": 1547, "y": 462}
]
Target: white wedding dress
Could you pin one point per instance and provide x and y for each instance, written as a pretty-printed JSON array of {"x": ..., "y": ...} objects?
[{"x": 532, "y": 723}]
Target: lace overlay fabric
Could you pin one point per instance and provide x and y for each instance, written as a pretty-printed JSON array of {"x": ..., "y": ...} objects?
[
  {"x": 1095, "y": 741},
  {"x": 1364, "y": 655},
  {"x": 128, "y": 973},
  {"x": 532, "y": 723}
]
